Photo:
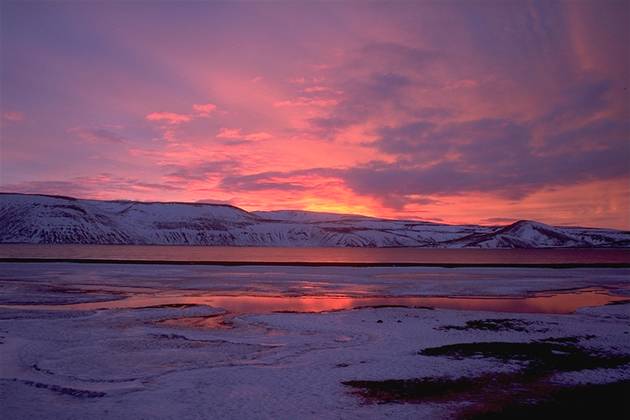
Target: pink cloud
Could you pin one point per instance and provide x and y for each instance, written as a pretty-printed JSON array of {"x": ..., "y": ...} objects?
[
  {"x": 204, "y": 109},
  {"x": 13, "y": 116},
  {"x": 236, "y": 133},
  {"x": 462, "y": 84},
  {"x": 229, "y": 133},
  {"x": 298, "y": 80},
  {"x": 99, "y": 186},
  {"x": 304, "y": 101},
  {"x": 317, "y": 89},
  {"x": 404, "y": 113},
  {"x": 107, "y": 134},
  {"x": 168, "y": 117}
]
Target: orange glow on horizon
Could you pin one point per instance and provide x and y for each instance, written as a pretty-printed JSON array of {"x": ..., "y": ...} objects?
[{"x": 385, "y": 114}]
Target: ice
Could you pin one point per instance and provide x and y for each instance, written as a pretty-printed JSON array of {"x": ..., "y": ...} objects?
[{"x": 126, "y": 363}]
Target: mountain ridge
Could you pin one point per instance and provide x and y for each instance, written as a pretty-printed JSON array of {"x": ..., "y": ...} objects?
[{"x": 48, "y": 219}]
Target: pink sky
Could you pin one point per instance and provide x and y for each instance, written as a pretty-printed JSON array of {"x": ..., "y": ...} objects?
[{"x": 458, "y": 112}]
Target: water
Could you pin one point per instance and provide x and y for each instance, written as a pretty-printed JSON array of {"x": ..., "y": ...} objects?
[
  {"x": 548, "y": 302},
  {"x": 205, "y": 254},
  {"x": 241, "y": 299}
]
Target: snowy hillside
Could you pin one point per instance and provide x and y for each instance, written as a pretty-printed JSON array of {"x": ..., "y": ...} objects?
[
  {"x": 306, "y": 216},
  {"x": 51, "y": 219}
]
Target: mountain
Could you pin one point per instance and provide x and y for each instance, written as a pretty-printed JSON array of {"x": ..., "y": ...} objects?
[
  {"x": 530, "y": 234},
  {"x": 45, "y": 219}
]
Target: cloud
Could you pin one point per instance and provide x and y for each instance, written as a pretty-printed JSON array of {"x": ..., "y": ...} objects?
[
  {"x": 275, "y": 180},
  {"x": 102, "y": 185},
  {"x": 317, "y": 89},
  {"x": 388, "y": 56},
  {"x": 493, "y": 156},
  {"x": 305, "y": 101},
  {"x": 202, "y": 170},
  {"x": 168, "y": 117},
  {"x": 204, "y": 109},
  {"x": 173, "y": 118},
  {"x": 113, "y": 182},
  {"x": 13, "y": 116},
  {"x": 237, "y": 134},
  {"x": 311, "y": 95},
  {"x": 97, "y": 135},
  {"x": 500, "y": 220},
  {"x": 68, "y": 188},
  {"x": 462, "y": 84},
  {"x": 406, "y": 104},
  {"x": 579, "y": 100},
  {"x": 366, "y": 99},
  {"x": 377, "y": 81},
  {"x": 171, "y": 122}
]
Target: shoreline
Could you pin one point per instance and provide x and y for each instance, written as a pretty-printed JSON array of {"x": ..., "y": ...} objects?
[{"x": 569, "y": 265}]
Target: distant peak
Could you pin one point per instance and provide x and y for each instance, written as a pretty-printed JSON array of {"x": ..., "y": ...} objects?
[{"x": 525, "y": 222}]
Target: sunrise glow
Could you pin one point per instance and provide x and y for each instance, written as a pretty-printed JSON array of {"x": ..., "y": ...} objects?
[{"x": 518, "y": 111}]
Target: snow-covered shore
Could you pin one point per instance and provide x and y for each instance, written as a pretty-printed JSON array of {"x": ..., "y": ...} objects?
[{"x": 127, "y": 364}]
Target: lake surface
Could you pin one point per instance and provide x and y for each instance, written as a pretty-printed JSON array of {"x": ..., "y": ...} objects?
[
  {"x": 549, "y": 302},
  {"x": 359, "y": 256}
]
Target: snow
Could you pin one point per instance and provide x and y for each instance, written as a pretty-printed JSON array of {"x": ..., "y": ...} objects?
[
  {"x": 306, "y": 216},
  {"x": 125, "y": 363},
  {"x": 48, "y": 219}
]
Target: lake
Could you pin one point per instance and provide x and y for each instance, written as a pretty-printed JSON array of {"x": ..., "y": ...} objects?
[
  {"x": 317, "y": 256},
  {"x": 549, "y": 302}
]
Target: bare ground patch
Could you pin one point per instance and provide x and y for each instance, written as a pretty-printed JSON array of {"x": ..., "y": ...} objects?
[{"x": 509, "y": 395}]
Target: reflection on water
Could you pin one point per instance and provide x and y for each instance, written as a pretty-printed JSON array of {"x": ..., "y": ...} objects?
[
  {"x": 550, "y": 303},
  {"x": 317, "y": 255}
]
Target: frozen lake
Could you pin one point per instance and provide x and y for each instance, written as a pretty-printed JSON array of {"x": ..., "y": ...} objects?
[
  {"x": 130, "y": 341},
  {"x": 359, "y": 256}
]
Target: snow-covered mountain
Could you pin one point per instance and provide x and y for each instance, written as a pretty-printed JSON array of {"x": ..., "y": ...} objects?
[{"x": 36, "y": 219}]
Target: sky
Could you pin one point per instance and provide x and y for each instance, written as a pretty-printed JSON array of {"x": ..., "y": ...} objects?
[{"x": 478, "y": 112}]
